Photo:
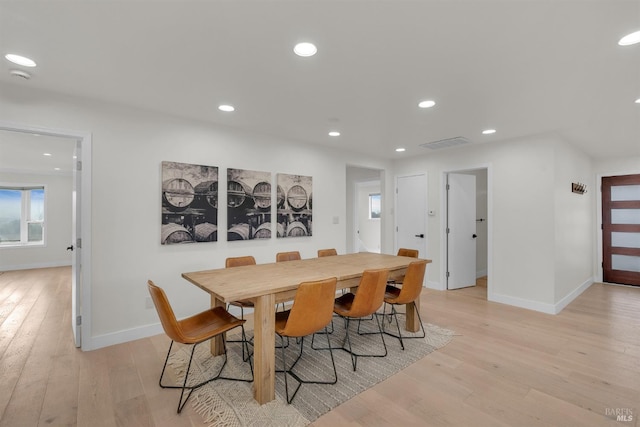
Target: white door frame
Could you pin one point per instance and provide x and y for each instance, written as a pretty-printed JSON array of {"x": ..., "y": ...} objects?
[
  {"x": 443, "y": 226},
  {"x": 84, "y": 294}
]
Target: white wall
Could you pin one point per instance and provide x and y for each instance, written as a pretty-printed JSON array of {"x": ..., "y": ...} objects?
[
  {"x": 57, "y": 225},
  {"x": 128, "y": 148},
  {"x": 522, "y": 211},
  {"x": 574, "y": 224}
]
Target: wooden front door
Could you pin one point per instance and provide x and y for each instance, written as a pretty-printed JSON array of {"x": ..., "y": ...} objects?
[{"x": 621, "y": 229}]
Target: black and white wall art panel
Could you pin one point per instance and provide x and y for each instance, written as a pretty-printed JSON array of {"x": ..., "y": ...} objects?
[
  {"x": 189, "y": 203},
  {"x": 294, "y": 198},
  {"x": 248, "y": 204}
]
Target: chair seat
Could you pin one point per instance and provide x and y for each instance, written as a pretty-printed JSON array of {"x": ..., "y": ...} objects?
[
  {"x": 391, "y": 294},
  {"x": 203, "y": 326},
  {"x": 281, "y": 320},
  {"x": 245, "y": 303},
  {"x": 342, "y": 304}
]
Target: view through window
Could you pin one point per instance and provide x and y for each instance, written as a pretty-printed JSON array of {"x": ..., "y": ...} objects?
[
  {"x": 374, "y": 206},
  {"x": 22, "y": 215}
]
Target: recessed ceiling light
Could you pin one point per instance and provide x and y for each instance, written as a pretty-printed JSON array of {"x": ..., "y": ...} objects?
[
  {"x": 334, "y": 133},
  {"x": 630, "y": 39},
  {"x": 488, "y": 131},
  {"x": 638, "y": 101},
  {"x": 305, "y": 49},
  {"x": 56, "y": 169},
  {"x": 20, "y": 60},
  {"x": 426, "y": 104},
  {"x": 46, "y": 154},
  {"x": 400, "y": 150},
  {"x": 20, "y": 73},
  {"x": 226, "y": 108}
]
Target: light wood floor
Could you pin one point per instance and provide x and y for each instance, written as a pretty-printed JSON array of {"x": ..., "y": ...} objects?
[{"x": 506, "y": 367}]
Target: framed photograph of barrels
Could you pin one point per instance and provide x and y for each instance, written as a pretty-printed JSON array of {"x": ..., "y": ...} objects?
[
  {"x": 294, "y": 199},
  {"x": 248, "y": 205},
  {"x": 189, "y": 203}
]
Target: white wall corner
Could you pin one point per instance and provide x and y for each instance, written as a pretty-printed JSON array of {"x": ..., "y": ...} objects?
[{"x": 560, "y": 305}]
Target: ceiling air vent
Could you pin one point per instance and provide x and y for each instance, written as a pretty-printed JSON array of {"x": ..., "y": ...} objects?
[{"x": 446, "y": 143}]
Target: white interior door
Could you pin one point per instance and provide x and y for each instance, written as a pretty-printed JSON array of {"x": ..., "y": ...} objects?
[
  {"x": 461, "y": 231},
  {"x": 76, "y": 247},
  {"x": 411, "y": 213}
]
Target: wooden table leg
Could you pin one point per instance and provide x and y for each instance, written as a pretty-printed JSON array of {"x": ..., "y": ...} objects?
[
  {"x": 264, "y": 356},
  {"x": 413, "y": 324},
  {"x": 217, "y": 346}
]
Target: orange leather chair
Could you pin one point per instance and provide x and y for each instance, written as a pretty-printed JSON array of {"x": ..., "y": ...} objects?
[
  {"x": 288, "y": 256},
  {"x": 327, "y": 252},
  {"x": 409, "y": 293},
  {"x": 365, "y": 302},
  {"x": 312, "y": 311},
  {"x": 194, "y": 330},
  {"x": 413, "y": 253},
  {"x": 239, "y": 262}
]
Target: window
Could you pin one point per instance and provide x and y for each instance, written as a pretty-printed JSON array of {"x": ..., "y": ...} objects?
[
  {"x": 374, "y": 206},
  {"x": 21, "y": 215}
]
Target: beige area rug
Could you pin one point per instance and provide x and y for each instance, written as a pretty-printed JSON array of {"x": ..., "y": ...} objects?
[{"x": 231, "y": 403}]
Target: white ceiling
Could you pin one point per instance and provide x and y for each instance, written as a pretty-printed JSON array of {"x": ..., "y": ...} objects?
[
  {"x": 521, "y": 67},
  {"x": 25, "y": 152}
]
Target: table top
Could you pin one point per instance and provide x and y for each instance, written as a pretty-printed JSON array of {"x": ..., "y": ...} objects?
[{"x": 251, "y": 281}]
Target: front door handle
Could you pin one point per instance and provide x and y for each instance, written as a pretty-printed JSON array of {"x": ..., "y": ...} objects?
[
  {"x": 420, "y": 236},
  {"x": 70, "y": 248},
  {"x": 474, "y": 236}
]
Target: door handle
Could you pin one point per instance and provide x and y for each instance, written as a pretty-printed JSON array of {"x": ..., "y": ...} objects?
[
  {"x": 474, "y": 236},
  {"x": 70, "y": 248},
  {"x": 420, "y": 236}
]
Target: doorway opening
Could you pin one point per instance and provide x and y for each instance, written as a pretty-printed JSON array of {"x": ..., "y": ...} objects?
[
  {"x": 365, "y": 202},
  {"x": 81, "y": 220},
  {"x": 466, "y": 231}
]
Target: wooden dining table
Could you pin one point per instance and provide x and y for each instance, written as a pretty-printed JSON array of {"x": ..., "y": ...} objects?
[{"x": 269, "y": 284}]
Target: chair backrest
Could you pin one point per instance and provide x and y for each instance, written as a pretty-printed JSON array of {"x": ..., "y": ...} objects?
[
  {"x": 312, "y": 308},
  {"x": 287, "y": 256},
  {"x": 370, "y": 294},
  {"x": 413, "y": 253},
  {"x": 239, "y": 261},
  {"x": 327, "y": 252},
  {"x": 165, "y": 312},
  {"x": 412, "y": 283}
]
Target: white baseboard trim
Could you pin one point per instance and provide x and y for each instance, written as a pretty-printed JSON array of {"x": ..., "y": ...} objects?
[
  {"x": 120, "y": 337},
  {"x": 541, "y": 306},
  {"x": 34, "y": 266},
  {"x": 522, "y": 303},
  {"x": 434, "y": 285},
  {"x": 560, "y": 305},
  {"x": 127, "y": 335}
]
